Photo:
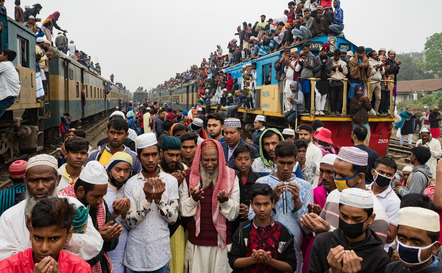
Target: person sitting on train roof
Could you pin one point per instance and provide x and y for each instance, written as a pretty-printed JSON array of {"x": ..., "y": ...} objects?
[
  {"x": 31, "y": 24},
  {"x": 9, "y": 80},
  {"x": 117, "y": 132},
  {"x": 19, "y": 15},
  {"x": 34, "y": 11},
  {"x": 338, "y": 18}
]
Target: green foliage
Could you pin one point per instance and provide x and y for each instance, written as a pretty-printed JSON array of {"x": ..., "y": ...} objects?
[
  {"x": 427, "y": 100},
  {"x": 433, "y": 54},
  {"x": 412, "y": 69}
]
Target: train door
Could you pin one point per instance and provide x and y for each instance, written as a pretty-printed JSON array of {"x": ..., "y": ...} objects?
[{"x": 66, "y": 84}]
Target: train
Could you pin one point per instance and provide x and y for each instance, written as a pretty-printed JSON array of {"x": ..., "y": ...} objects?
[
  {"x": 268, "y": 101},
  {"x": 30, "y": 126}
]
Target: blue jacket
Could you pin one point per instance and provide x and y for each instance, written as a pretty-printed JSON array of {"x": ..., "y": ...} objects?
[
  {"x": 338, "y": 15},
  {"x": 229, "y": 161},
  {"x": 255, "y": 138}
]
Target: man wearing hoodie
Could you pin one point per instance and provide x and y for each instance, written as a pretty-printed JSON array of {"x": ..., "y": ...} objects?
[
  {"x": 265, "y": 164},
  {"x": 377, "y": 71},
  {"x": 420, "y": 175},
  {"x": 338, "y": 18},
  {"x": 353, "y": 247}
]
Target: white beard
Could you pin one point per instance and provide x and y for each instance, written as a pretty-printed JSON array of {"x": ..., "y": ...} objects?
[
  {"x": 207, "y": 178},
  {"x": 31, "y": 201}
]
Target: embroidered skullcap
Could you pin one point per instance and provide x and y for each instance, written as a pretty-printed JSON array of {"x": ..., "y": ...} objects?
[
  {"x": 118, "y": 113},
  {"x": 407, "y": 169},
  {"x": 198, "y": 122},
  {"x": 354, "y": 156},
  {"x": 288, "y": 132},
  {"x": 420, "y": 218},
  {"x": 94, "y": 173},
  {"x": 170, "y": 143},
  {"x": 356, "y": 197},
  {"x": 329, "y": 159},
  {"x": 42, "y": 160},
  {"x": 260, "y": 118},
  {"x": 232, "y": 122},
  {"x": 17, "y": 169},
  {"x": 119, "y": 157},
  {"x": 208, "y": 145},
  {"x": 146, "y": 140}
]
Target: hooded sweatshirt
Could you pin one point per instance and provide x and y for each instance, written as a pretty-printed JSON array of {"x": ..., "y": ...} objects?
[
  {"x": 417, "y": 181},
  {"x": 263, "y": 165},
  {"x": 338, "y": 15},
  {"x": 375, "y": 259}
]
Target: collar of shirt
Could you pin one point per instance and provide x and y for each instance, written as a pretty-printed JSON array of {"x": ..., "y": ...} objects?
[
  {"x": 232, "y": 150},
  {"x": 383, "y": 194},
  {"x": 68, "y": 176},
  {"x": 272, "y": 222},
  {"x": 262, "y": 129}
]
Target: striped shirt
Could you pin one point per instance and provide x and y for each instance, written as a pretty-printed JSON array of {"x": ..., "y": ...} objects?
[{"x": 9, "y": 198}]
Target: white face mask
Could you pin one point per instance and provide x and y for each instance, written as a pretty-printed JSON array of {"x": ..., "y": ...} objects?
[{"x": 412, "y": 254}]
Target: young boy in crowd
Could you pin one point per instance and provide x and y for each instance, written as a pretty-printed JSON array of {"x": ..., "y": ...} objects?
[
  {"x": 243, "y": 159},
  {"x": 50, "y": 225},
  {"x": 262, "y": 244}
]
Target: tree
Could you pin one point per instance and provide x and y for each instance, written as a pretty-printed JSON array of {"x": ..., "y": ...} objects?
[
  {"x": 433, "y": 54},
  {"x": 412, "y": 69}
]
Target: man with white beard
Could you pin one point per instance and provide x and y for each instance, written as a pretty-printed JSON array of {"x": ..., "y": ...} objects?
[
  {"x": 209, "y": 196},
  {"x": 41, "y": 179}
]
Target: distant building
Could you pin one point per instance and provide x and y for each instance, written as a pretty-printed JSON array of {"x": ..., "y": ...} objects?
[{"x": 416, "y": 89}]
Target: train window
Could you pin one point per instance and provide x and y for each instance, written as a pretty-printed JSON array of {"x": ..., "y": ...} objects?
[
  {"x": 86, "y": 92},
  {"x": 266, "y": 74},
  {"x": 91, "y": 90},
  {"x": 95, "y": 93},
  {"x": 77, "y": 89},
  {"x": 22, "y": 52}
]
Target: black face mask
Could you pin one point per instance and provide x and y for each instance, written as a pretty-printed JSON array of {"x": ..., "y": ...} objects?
[
  {"x": 352, "y": 231},
  {"x": 116, "y": 183},
  {"x": 382, "y": 180}
]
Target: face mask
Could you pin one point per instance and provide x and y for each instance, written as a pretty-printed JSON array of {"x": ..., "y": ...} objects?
[
  {"x": 382, "y": 180},
  {"x": 351, "y": 230},
  {"x": 341, "y": 183},
  {"x": 411, "y": 254}
]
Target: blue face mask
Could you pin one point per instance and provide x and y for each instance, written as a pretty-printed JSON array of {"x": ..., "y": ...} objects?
[{"x": 411, "y": 254}]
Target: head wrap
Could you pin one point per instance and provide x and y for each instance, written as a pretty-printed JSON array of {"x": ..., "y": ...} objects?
[
  {"x": 94, "y": 173},
  {"x": 265, "y": 158},
  {"x": 146, "y": 140},
  {"x": 17, "y": 169},
  {"x": 356, "y": 197},
  {"x": 353, "y": 155},
  {"x": 420, "y": 218},
  {"x": 119, "y": 157},
  {"x": 226, "y": 180},
  {"x": 170, "y": 143},
  {"x": 42, "y": 160}
]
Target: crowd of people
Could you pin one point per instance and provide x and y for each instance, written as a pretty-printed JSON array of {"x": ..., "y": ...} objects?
[{"x": 186, "y": 192}]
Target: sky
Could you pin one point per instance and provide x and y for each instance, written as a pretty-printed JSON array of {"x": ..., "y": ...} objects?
[{"x": 145, "y": 42}]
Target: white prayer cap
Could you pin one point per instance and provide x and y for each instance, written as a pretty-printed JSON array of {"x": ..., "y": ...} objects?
[
  {"x": 329, "y": 159},
  {"x": 118, "y": 113},
  {"x": 289, "y": 132},
  {"x": 47, "y": 41},
  {"x": 198, "y": 122},
  {"x": 146, "y": 140},
  {"x": 40, "y": 40},
  {"x": 293, "y": 50},
  {"x": 31, "y": 17},
  {"x": 417, "y": 217},
  {"x": 407, "y": 169},
  {"x": 356, "y": 197},
  {"x": 42, "y": 160},
  {"x": 424, "y": 130},
  {"x": 260, "y": 118},
  {"x": 94, "y": 173},
  {"x": 353, "y": 155}
]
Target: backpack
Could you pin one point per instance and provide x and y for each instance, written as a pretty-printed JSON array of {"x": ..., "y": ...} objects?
[{"x": 431, "y": 186}]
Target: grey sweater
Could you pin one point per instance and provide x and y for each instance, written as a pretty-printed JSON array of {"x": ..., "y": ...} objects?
[{"x": 417, "y": 181}]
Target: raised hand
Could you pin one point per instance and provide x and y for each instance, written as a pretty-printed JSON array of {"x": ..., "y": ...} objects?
[
  {"x": 197, "y": 194},
  {"x": 334, "y": 258},
  {"x": 120, "y": 207},
  {"x": 110, "y": 230},
  {"x": 351, "y": 262},
  {"x": 314, "y": 223},
  {"x": 223, "y": 196}
]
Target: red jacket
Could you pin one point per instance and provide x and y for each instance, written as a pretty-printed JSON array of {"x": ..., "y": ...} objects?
[{"x": 23, "y": 262}]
